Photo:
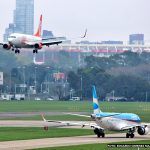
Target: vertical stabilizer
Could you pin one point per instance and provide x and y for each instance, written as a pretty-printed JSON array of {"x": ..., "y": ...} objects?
[
  {"x": 95, "y": 101},
  {"x": 38, "y": 33}
]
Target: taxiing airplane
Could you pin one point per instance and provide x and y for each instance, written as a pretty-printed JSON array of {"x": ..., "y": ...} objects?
[
  {"x": 16, "y": 41},
  {"x": 111, "y": 121}
]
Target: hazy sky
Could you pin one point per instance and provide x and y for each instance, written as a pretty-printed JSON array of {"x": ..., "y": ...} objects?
[{"x": 104, "y": 19}]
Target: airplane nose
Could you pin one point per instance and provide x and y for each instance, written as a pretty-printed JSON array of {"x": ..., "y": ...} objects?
[{"x": 10, "y": 41}]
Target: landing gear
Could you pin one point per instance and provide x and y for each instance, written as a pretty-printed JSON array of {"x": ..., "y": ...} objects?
[
  {"x": 17, "y": 51},
  {"x": 130, "y": 135},
  {"x": 46, "y": 128},
  {"x": 99, "y": 133},
  {"x": 35, "y": 51}
]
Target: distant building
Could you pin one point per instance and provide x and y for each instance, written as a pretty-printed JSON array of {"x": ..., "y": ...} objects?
[
  {"x": 87, "y": 42},
  {"x": 102, "y": 42},
  {"x": 24, "y": 16},
  {"x": 1, "y": 78},
  {"x": 112, "y": 42},
  {"x": 59, "y": 76},
  {"x": 11, "y": 29},
  {"x": 136, "y": 39},
  {"x": 23, "y": 21},
  {"x": 47, "y": 34}
]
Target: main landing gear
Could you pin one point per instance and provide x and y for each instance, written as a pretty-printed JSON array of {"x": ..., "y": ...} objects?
[
  {"x": 130, "y": 135},
  {"x": 16, "y": 51},
  {"x": 35, "y": 51},
  {"x": 99, "y": 133}
]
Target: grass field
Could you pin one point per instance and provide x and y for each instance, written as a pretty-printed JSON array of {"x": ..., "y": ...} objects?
[
  {"x": 98, "y": 146},
  {"x": 140, "y": 108},
  {"x": 22, "y": 133}
]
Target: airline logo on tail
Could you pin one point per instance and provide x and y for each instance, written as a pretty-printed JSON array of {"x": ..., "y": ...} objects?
[
  {"x": 95, "y": 101},
  {"x": 38, "y": 33}
]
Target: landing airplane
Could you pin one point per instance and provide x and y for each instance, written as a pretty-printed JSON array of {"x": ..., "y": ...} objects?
[
  {"x": 111, "y": 121},
  {"x": 16, "y": 41}
]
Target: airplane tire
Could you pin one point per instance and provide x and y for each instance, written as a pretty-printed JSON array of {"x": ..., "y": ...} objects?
[
  {"x": 132, "y": 135},
  {"x": 98, "y": 135},
  {"x": 33, "y": 51},
  {"x": 127, "y": 135},
  {"x": 103, "y": 135},
  {"x": 17, "y": 51}
]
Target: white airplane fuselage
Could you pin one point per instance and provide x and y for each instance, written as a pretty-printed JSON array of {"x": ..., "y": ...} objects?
[
  {"x": 114, "y": 124},
  {"x": 18, "y": 40}
]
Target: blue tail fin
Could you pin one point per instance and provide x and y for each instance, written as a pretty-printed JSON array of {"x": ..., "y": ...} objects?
[{"x": 95, "y": 101}]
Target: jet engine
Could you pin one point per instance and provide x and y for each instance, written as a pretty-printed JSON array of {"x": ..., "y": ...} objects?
[
  {"x": 143, "y": 130},
  {"x": 38, "y": 46},
  {"x": 7, "y": 46}
]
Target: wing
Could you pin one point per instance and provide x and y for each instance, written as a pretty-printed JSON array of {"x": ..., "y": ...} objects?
[
  {"x": 50, "y": 42},
  {"x": 78, "y": 115},
  {"x": 133, "y": 126},
  {"x": 53, "y": 41},
  {"x": 44, "y": 42},
  {"x": 69, "y": 123}
]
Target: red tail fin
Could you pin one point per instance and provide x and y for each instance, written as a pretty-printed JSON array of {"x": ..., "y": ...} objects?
[{"x": 38, "y": 33}]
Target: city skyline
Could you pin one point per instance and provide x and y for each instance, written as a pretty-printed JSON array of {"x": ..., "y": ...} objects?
[
  {"x": 24, "y": 16},
  {"x": 23, "y": 19},
  {"x": 109, "y": 20}
]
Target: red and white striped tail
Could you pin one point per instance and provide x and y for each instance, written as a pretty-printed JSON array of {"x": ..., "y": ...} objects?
[{"x": 38, "y": 33}]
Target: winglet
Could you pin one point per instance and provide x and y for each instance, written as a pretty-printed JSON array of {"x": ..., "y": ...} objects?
[
  {"x": 85, "y": 33},
  {"x": 38, "y": 33},
  {"x": 43, "y": 117}
]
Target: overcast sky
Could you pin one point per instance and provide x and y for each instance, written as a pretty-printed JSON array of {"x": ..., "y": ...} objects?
[{"x": 104, "y": 19}]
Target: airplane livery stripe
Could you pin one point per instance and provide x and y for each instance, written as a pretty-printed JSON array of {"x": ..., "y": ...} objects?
[
  {"x": 94, "y": 93},
  {"x": 95, "y": 106}
]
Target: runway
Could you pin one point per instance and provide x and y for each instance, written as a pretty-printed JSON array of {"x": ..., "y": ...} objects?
[{"x": 65, "y": 141}]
